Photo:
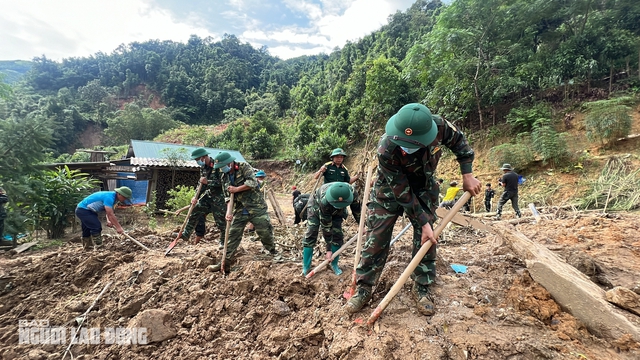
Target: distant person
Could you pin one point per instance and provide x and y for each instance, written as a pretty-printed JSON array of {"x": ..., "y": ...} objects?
[
  {"x": 489, "y": 193},
  {"x": 89, "y": 208},
  {"x": 295, "y": 194},
  {"x": 248, "y": 205},
  {"x": 440, "y": 196},
  {"x": 510, "y": 183},
  {"x": 408, "y": 155},
  {"x": 334, "y": 170},
  {"x": 450, "y": 197},
  {"x": 4, "y": 199},
  {"x": 325, "y": 211}
]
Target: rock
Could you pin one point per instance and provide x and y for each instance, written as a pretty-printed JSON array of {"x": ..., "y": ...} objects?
[
  {"x": 37, "y": 354},
  {"x": 204, "y": 261},
  {"x": 77, "y": 306},
  {"x": 624, "y": 298},
  {"x": 158, "y": 325},
  {"x": 281, "y": 308}
]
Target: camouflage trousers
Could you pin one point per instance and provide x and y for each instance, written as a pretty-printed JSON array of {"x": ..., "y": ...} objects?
[
  {"x": 206, "y": 205},
  {"x": 332, "y": 236},
  {"x": 263, "y": 227},
  {"x": 375, "y": 251},
  {"x": 506, "y": 196}
]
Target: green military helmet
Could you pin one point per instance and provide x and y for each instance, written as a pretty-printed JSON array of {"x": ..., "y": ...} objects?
[
  {"x": 338, "y": 151},
  {"x": 124, "y": 191},
  {"x": 412, "y": 127},
  {"x": 339, "y": 195},
  {"x": 198, "y": 153},
  {"x": 222, "y": 159}
]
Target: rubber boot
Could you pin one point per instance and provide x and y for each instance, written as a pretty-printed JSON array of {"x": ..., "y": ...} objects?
[
  {"x": 86, "y": 243},
  {"x": 307, "y": 256},
  {"x": 424, "y": 299},
  {"x": 97, "y": 240},
  {"x": 359, "y": 299},
  {"x": 334, "y": 263}
]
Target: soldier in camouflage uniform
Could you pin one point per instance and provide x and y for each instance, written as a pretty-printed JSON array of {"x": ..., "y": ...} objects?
[
  {"x": 326, "y": 209},
  {"x": 3, "y": 212},
  {"x": 408, "y": 155},
  {"x": 249, "y": 205},
  {"x": 334, "y": 170},
  {"x": 209, "y": 200}
]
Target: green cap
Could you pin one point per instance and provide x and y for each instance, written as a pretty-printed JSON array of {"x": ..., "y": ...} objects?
[
  {"x": 198, "y": 153},
  {"x": 338, "y": 151},
  {"x": 506, "y": 167},
  {"x": 222, "y": 159},
  {"x": 412, "y": 127},
  {"x": 124, "y": 191},
  {"x": 339, "y": 195}
]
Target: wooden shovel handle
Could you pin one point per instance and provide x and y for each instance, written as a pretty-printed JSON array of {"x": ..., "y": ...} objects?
[{"x": 417, "y": 259}]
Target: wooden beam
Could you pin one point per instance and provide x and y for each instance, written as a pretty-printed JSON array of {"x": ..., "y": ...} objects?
[
  {"x": 462, "y": 220},
  {"x": 276, "y": 207},
  {"x": 570, "y": 288},
  {"x": 24, "y": 247}
]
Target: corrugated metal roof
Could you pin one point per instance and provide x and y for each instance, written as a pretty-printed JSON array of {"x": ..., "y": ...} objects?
[
  {"x": 152, "y": 150},
  {"x": 138, "y": 161}
]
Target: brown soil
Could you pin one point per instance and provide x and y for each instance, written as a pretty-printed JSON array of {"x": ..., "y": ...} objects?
[{"x": 265, "y": 309}]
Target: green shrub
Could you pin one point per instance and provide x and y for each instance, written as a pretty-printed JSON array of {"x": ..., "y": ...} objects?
[
  {"x": 607, "y": 123},
  {"x": 180, "y": 196},
  {"x": 523, "y": 118},
  {"x": 550, "y": 145},
  {"x": 518, "y": 154}
]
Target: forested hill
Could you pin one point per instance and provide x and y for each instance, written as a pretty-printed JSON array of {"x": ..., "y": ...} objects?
[{"x": 471, "y": 61}]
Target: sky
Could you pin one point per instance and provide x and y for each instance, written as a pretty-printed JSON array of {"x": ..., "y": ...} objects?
[{"x": 288, "y": 28}]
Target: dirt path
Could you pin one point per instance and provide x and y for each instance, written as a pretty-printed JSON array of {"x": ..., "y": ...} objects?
[{"x": 265, "y": 309}]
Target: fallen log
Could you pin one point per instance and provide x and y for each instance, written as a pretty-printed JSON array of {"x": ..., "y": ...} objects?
[
  {"x": 24, "y": 247},
  {"x": 570, "y": 288}
]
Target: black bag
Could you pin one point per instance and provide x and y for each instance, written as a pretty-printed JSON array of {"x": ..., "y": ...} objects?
[{"x": 300, "y": 203}]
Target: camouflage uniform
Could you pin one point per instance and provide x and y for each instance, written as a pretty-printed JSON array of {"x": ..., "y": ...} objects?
[
  {"x": 322, "y": 214},
  {"x": 405, "y": 184},
  {"x": 341, "y": 173},
  {"x": 211, "y": 202},
  {"x": 249, "y": 206}
]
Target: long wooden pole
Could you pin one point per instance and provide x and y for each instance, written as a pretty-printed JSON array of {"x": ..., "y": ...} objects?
[
  {"x": 226, "y": 236},
  {"x": 136, "y": 242},
  {"x": 363, "y": 215},
  {"x": 175, "y": 242},
  {"x": 416, "y": 260}
]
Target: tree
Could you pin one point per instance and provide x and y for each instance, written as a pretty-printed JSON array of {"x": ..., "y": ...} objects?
[
  {"x": 55, "y": 195},
  {"x": 139, "y": 124}
]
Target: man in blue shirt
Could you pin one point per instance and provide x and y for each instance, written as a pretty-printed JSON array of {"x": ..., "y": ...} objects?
[{"x": 89, "y": 208}]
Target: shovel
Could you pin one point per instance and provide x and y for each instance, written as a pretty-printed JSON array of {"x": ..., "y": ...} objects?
[
  {"x": 226, "y": 237},
  {"x": 363, "y": 215},
  {"x": 416, "y": 260},
  {"x": 175, "y": 242}
]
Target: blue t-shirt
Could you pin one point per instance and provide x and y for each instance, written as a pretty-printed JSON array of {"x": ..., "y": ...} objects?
[{"x": 97, "y": 201}]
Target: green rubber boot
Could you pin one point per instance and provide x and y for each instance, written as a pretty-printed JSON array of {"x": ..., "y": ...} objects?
[
  {"x": 307, "y": 256},
  {"x": 334, "y": 263},
  {"x": 86, "y": 243}
]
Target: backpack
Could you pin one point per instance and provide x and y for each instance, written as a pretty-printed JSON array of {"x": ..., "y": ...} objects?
[{"x": 299, "y": 203}]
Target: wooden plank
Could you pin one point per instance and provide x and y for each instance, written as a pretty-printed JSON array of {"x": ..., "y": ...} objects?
[
  {"x": 570, "y": 288},
  {"x": 463, "y": 220},
  {"x": 276, "y": 207},
  {"x": 535, "y": 213},
  {"x": 24, "y": 247}
]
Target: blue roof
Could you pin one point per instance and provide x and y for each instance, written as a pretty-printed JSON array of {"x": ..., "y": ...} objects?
[{"x": 153, "y": 150}]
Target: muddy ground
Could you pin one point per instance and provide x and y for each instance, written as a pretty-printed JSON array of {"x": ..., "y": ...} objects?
[{"x": 265, "y": 309}]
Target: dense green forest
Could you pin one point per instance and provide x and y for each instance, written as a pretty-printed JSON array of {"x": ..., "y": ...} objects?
[{"x": 476, "y": 62}]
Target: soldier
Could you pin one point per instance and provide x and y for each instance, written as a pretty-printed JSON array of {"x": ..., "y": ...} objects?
[
  {"x": 260, "y": 177},
  {"x": 239, "y": 179},
  {"x": 3, "y": 212},
  {"x": 510, "y": 183},
  {"x": 334, "y": 170},
  {"x": 89, "y": 208},
  {"x": 209, "y": 200},
  {"x": 408, "y": 155},
  {"x": 326, "y": 209}
]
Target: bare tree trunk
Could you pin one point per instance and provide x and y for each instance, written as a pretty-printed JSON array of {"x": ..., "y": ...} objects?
[
  {"x": 628, "y": 69},
  {"x": 610, "y": 79},
  {"x": 493, "y": 114},
  {"x": 589, "y": 81},
  {"x": 638, "y": 63},
  {"x": 475, "y": 87}
]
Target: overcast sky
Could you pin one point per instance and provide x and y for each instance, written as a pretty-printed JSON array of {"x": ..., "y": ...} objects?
[{"x": 289, "y": 28}]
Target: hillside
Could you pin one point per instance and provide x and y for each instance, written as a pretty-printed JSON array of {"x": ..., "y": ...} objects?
[{"x": 14, "y": 70}]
